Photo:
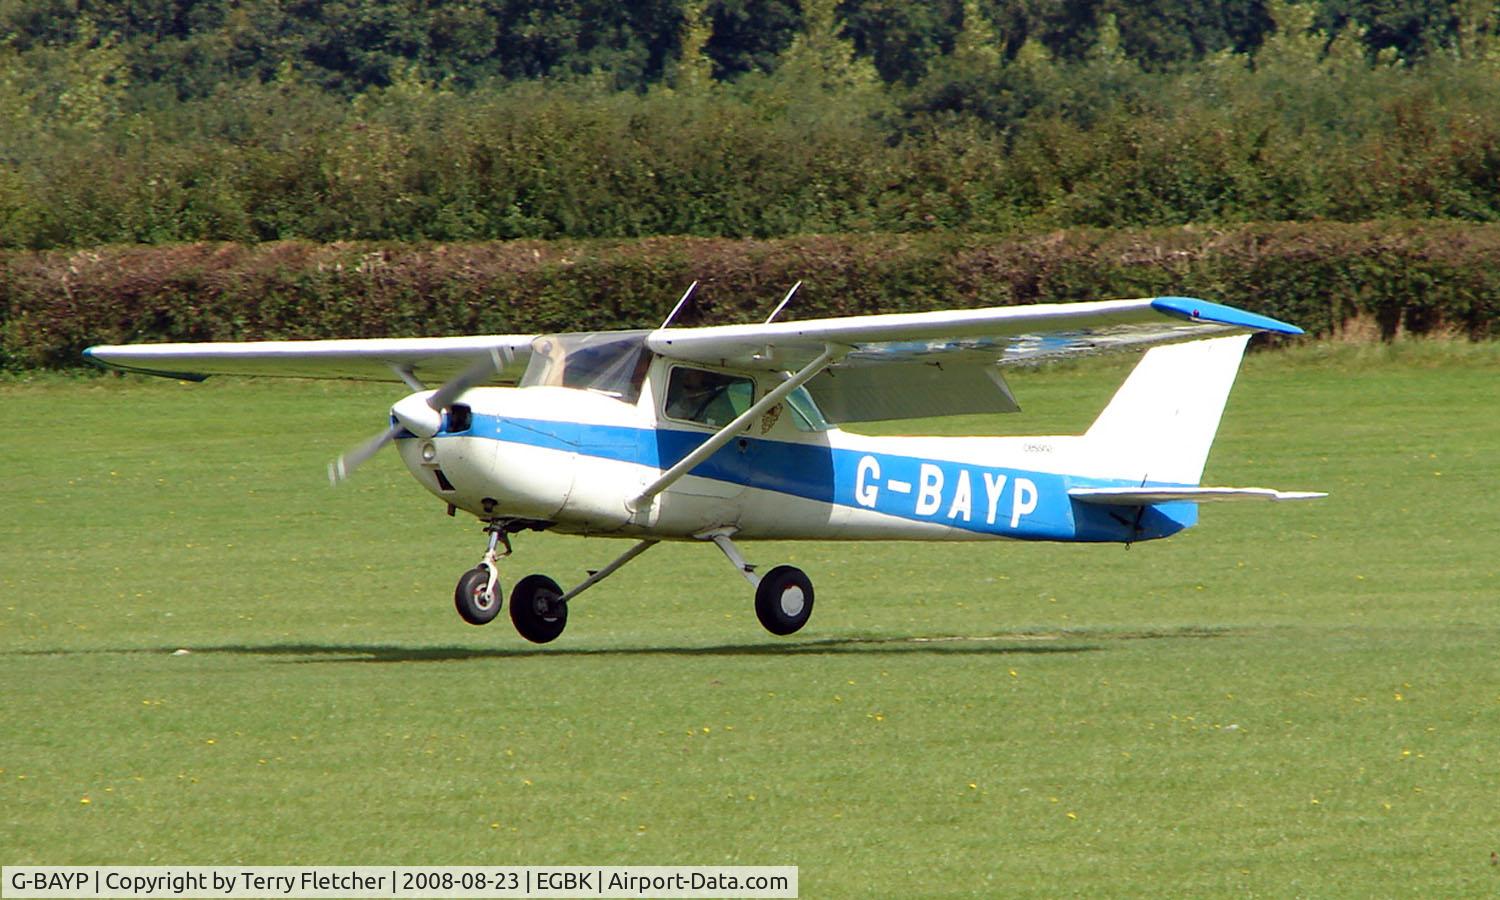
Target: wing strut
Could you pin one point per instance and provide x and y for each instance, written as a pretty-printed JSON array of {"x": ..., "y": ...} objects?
[
  {"x": 831, "y": 354},
  {"x": 407, "y": 375}
]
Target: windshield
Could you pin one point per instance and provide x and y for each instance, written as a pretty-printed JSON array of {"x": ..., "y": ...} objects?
[
  {"x": 611, "y": 362},
  {"x": 805, "y": 413}
]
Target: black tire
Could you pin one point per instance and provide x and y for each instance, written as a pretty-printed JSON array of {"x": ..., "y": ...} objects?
[
  {"x": 784, "y": 600},
  {"x": 534, "y": 609},
  {"x": 469, "y": 597}
]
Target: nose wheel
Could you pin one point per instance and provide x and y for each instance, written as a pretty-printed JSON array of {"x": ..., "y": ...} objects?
[{"x": 477, "y": 596}]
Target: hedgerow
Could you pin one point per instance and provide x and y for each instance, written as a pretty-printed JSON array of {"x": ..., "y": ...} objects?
[{"x": 1387, "y": 278}]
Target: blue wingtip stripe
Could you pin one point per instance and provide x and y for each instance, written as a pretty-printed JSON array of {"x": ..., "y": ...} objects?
[{"x": 1194, "y": 310}]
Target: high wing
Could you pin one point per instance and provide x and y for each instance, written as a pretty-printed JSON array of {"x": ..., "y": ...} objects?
[
  {"x": 946, "y": 363},
  {"x": 368, "y": 359},
  {"x": 1000, "y": 334},
  {"x": 889, "y": 366}
]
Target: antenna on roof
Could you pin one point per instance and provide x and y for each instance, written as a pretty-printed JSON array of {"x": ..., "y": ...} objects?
[
  {"x": 784, "y": 301},
  {"x": 678, "y": 308}
]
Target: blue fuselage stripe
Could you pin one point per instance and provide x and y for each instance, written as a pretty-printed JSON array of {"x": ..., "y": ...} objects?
[{"x": 967, "y": 496}]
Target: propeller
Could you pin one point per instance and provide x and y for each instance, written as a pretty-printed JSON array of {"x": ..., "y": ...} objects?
[{"x": 420, "y": 413}]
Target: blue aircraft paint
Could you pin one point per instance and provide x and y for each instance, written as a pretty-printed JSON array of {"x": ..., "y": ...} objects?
[
  {"x": 986, "y": 500},
  {"x": 1194, "y": 310}
]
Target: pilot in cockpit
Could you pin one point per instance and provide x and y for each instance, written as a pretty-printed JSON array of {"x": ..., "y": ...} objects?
[{"x": 706, "y": 397}]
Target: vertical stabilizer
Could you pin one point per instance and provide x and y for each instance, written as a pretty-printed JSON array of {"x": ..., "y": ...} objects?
[{"x": 1162, "y": 420}]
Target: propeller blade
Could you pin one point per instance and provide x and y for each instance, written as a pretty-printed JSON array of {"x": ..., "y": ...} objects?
[
  {"x": 474, "y": 375},
  {"x": 340, "y": 469}
]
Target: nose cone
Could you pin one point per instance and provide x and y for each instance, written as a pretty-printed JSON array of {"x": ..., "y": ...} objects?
[{"x": 417, "y": 416}]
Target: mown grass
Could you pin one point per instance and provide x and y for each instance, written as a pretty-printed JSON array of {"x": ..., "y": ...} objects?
[{"x": 1288, "y": 700}]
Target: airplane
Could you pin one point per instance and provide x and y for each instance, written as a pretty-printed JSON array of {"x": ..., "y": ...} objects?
[{"x": 729, "y": 433}]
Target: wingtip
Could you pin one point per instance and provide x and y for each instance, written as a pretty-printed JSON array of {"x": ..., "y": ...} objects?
[{"x": 1193, "y": 309}]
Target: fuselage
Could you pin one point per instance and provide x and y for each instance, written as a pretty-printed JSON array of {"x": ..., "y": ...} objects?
[{"x": 577, "y": 459}]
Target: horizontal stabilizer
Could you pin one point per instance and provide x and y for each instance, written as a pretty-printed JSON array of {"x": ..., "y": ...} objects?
[{"x": 1144, "y": 495}]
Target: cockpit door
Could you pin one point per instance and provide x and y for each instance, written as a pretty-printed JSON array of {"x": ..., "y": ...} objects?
[{"x": 692, "y": 405}]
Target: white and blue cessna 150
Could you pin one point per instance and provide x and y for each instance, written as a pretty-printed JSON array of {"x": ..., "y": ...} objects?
[{"x": 727, "y": 433}]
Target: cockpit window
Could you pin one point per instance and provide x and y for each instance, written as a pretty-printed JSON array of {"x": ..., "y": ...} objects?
[
  {"x": 612, "y": 362},
  {"x": 708, "y": 398}
]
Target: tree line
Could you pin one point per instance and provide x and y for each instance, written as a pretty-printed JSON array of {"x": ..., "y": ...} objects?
[
  {"x": 189, "y": 47},
  {"x": 252, "y": 121}
]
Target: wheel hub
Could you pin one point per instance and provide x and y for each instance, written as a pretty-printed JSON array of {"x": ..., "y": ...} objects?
[
  {"x": 793, "y": 601},
  {"x": 545, "y": 605}
]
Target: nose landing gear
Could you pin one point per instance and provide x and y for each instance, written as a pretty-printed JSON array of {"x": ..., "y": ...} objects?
[{"x": 477, "y": 596}]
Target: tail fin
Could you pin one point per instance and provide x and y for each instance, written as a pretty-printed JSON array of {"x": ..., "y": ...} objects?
[{"x": 1163, "y": 419}]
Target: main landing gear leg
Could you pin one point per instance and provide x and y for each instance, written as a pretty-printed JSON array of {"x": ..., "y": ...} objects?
[
  {"x": 783, "y": 596},
  {"x": 477, "y": 596},
  {"x": 539, "y": 608},
  {"x": 601, "y": 574}
]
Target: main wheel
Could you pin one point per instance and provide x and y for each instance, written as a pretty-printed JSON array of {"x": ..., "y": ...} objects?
[
  {"x": 473, "y": 599},
  {"x": 784, "y": 600},
  {"x": 535, "y": 610}
]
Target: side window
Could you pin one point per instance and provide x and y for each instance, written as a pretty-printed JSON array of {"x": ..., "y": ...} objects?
[{"x": 708, "y": 398}]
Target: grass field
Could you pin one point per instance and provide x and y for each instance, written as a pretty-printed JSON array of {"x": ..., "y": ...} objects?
[{"x": 1297, "y": 699}]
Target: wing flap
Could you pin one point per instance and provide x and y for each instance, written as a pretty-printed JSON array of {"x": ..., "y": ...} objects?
[
  {"x": 910, "y": 390},
  {"x": 1147, "y": 495}
]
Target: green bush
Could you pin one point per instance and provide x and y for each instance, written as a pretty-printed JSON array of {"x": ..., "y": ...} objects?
[{"x": 984, "y": 142}]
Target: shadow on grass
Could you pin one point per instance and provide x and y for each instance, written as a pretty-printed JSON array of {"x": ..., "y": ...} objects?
[{"x": 1080, "y": 641}]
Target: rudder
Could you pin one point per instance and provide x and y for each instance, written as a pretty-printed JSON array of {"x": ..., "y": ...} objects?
[{"x": 1160, "y": 424}]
